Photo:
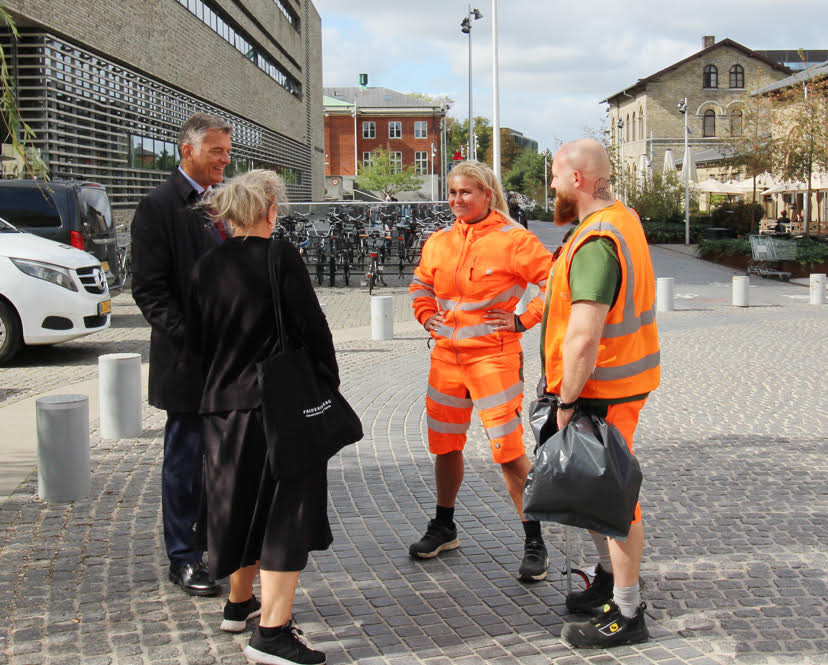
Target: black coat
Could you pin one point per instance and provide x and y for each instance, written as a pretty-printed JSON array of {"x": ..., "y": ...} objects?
[
  {"x": 168, "y": 237},
  {"x": 232, "y": 323}
]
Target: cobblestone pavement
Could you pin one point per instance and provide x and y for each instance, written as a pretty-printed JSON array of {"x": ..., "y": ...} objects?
[{"x": 732, "y": 445}]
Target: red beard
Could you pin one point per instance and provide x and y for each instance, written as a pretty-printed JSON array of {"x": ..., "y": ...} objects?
[{"x": 566, "y": 210}]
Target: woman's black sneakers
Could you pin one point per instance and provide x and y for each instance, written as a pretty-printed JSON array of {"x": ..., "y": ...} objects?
[
  {"x": 236, "y": 615},
  {"x": 283, "y": 648},
  {"x": 609, "y": 629}
]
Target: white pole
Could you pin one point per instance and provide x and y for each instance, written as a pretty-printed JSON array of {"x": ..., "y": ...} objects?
[
  {"x": 496, "y": 97},
  {"x": 687, "y": 178},
  {"x": 62, "y": 447},
  {"x": 432, "y": 170},
  {"x": 470, "y": 153},
  {"x": 817, "y": 292},
  {"x": 356, "y": 170},
  {"x": 740, "y": 290},
  {"x": 546, "y": 180},
  {"x": 119, "y": 387}
]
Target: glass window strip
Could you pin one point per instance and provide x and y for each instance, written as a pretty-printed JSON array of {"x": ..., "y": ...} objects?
[{"x": 243, "y": 44}]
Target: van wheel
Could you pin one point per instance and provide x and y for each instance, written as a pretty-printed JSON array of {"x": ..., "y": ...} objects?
[{"x": 10, "y": 334}]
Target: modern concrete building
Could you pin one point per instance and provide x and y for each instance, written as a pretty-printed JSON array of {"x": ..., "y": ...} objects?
[
  {"x": 645, "y": 120},
  {"x": 106, "y": 84},
  {"x": 360, "y": 120}
]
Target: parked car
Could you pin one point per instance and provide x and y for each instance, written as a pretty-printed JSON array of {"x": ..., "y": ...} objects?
[
  {"x": 73, "y": 212},
  {"x": 49, "y": 292}
]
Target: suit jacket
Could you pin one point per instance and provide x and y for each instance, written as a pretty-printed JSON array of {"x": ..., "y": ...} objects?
[
  {"x": 168, "y": 237},
  {"x": 233, "y": 323}
]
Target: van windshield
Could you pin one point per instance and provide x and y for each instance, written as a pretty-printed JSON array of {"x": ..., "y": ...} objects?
[
  {"x": 29, "y": 207},
  {"x": 96, "y": 211}
]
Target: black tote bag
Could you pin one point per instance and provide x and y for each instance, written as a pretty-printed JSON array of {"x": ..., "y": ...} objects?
[
  {"x": 306, "y": 420},
  {"x": 583, "y": 475}
]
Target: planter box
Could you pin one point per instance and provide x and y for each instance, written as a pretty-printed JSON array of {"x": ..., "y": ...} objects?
[{"x": 740, "y": 262}]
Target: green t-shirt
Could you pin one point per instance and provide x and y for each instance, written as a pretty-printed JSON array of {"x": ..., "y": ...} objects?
[{"x": 595, "y": 273}]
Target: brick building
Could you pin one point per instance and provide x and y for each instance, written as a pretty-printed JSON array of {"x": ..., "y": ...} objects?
[
  {"x": 106, "y": 85},
  {"x": 360, "y": 120},
  {"x": 645, "y": 120}
]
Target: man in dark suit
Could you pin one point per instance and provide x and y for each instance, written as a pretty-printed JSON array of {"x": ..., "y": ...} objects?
[{"x": 168, "y": 237}]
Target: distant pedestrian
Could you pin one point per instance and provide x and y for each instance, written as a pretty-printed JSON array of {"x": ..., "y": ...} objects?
[
  {"x": 601, "y": 356},
  {"x": 465, "y": 290},
  {"x": 168, "y": 235},
  {"x": 783, "y": 223}
]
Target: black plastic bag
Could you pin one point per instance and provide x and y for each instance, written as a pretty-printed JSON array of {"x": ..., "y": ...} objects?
[{"x": 584, "y": 475}]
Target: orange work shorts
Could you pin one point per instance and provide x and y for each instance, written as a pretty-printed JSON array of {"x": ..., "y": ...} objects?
[
  {"x": 625, "y": 418},
  {"x": 491, "y": 384}
]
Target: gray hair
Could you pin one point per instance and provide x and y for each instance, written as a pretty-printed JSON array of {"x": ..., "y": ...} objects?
[
  {"x": 195, "y": 129},
  {"x": 244, "y": 199}
]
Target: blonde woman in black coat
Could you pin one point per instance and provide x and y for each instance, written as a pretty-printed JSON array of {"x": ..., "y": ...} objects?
[{"x": 255, "y": 522}]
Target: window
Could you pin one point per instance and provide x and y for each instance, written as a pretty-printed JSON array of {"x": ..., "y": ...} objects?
[
  {"x": 640, "y": 122},
  {"x": 627, "y": 125},
  {"x": 395, "y": 129},
  {"x": 736, "y": 122},
  {"x": 396, "y": 162},
  {"x": 709, "y": 123},
  {"x": 420, "y": 129},
  {"x": 711, "y": 77},
  {"x": 633, "y": 127},
  {"x": 367, "y": 158},
  {"x": 421, "y": 162},
  {"x": 369, "y": 129},
  {"x": 737, "y": 76}
]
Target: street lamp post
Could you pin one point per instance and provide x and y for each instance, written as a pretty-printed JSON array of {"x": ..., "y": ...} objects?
[
  {"x": 433, "y": 150},
  {"x": 682, "y": 107},
  {"x": 465, "y": 28},
  {"x": 620, "y": 126},
  {"x": 495, "y": 98},
  {"x": 546, "y": 181}
]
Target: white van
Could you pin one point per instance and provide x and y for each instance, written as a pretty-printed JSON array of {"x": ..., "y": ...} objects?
[{"x": 49, "y": 292}]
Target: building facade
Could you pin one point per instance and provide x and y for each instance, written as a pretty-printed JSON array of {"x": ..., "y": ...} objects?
[
  {"x": 361, "y": 120},
  {"x": 645, "y": 119},
  {"x": 106, "y": 85}
]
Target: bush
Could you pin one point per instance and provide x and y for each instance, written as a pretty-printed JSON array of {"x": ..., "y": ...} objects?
[
  {"x": 739, "y": 216},
  {"x": 672, "y": 231},
  {"x": 540, "y": 214},
  {"x": 734, "y": 246},
  {"x": 811, "y": 252}
]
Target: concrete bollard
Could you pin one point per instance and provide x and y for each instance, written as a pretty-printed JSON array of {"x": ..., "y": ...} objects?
[
  {"x": 382, "y": 317},
  {"x": 62, "y": 447},
  {"x": 740, "y": 290},
  {"x": 119, "y": 394},
  {"x": 664, "y": 294},
  {"x": 817, "y": 283}
]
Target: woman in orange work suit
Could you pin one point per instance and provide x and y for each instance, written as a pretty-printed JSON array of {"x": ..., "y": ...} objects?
[{"x": 465, "y": 290}]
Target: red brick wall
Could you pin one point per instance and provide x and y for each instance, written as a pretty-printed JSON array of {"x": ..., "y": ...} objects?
[{"x": 339, "y": 140}]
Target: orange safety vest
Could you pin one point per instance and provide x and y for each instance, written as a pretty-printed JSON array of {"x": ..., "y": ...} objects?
[
  {"x": 628, "y": 354},
  {"x": 468, "y": 269}
]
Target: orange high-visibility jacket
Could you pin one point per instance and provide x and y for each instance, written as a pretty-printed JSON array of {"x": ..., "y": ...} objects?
[
  {"x": 628, "y": 355},
  {"x": 467, "y": 270}
]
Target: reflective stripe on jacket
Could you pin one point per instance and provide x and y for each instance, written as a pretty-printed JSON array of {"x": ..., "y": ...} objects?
[
  {"x": 467, "y": 270},
  {"x": 628, "y": 355}
]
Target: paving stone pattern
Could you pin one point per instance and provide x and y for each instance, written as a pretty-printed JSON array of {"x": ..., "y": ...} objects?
[{"x": 732, "y": 445}]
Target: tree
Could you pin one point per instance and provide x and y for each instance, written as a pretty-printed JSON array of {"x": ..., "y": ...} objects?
[
  {"x": 802, "y": 146},
  {"x": 387, "y": 177},
  {"x": 753, "y": 146},
  {"x": 457, "y": 137},
  {"x": 526, "y": 175},
  {"x": 660, "y": 198},
  {"x": 15, "y": 130}
]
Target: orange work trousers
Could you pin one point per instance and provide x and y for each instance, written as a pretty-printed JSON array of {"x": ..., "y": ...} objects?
[
  {"x": 625, "y": 418},
  {"x": 491, "y": 384}
]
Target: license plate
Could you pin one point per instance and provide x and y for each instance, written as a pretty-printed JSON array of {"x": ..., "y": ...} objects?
[
  {"x": 104, "y": 307},
  {"x": 105, "y": 266}
]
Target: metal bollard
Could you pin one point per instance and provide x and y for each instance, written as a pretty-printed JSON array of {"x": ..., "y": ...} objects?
[
  {"x": 62, "y": 447},
  {"x": 119, "y": 392},
  {"x": 382, "y": 317},
  {"x": 817, "y": 283},
  {"x": 664, "y": 294},
  {"x": 740, "y": 290}
]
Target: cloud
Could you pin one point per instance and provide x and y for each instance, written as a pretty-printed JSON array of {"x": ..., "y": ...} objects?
[{"x": 556, "y": 60}]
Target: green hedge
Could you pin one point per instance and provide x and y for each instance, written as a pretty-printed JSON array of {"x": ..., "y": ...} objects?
[
  {"x": 673, "y": 232},
  {"x": 809, "y": 252}
]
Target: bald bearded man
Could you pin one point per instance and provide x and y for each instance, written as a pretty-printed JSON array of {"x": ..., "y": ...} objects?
[{"x": 601, "y": 356}]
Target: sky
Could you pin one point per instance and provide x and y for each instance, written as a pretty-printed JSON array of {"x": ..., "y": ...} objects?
[{"x": 557, "y": 60}]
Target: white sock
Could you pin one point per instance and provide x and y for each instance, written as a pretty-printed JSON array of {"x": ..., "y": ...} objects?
[
  {"x": 602, "y": 545},
  {"x": 628, "y": 598}
]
